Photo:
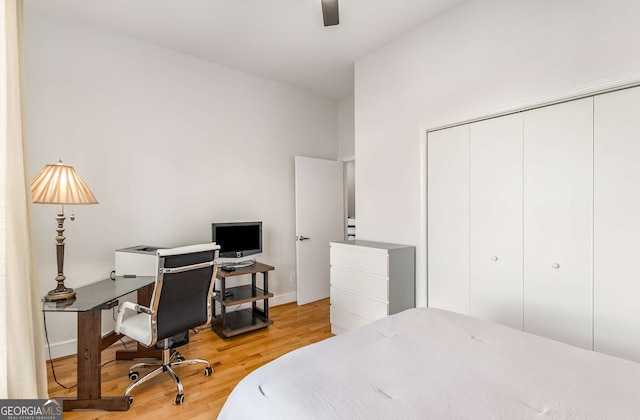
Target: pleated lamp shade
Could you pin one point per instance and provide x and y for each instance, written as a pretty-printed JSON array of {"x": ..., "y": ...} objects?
[{"x": 60, "y": 184}]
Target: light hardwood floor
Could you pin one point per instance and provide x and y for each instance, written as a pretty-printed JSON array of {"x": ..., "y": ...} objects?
[{"x": 232, "y": 359}]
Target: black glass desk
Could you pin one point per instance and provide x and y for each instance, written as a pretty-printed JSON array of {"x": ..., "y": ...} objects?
[{"x": 89, "y": 303}]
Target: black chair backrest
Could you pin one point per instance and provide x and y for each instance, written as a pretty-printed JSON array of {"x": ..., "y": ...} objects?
[{"x": 184, "y": 301}]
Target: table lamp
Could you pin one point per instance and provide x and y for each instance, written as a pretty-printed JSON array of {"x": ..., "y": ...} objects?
[{"x": 60, "y": 184}]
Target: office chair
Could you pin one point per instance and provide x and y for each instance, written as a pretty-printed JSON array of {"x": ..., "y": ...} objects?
[{"x": 181, "y": 301}]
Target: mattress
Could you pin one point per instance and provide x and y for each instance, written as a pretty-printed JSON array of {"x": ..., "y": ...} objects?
[{"x": 432, "y": 364}]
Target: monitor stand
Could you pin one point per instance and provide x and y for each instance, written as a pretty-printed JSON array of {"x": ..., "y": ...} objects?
[{"x": 237, "y": 264}]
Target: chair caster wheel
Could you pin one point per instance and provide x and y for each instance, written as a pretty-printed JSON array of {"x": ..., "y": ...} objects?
[
  {"x": 134, "y": 376},
  {"x": 179, "y": 399},
  {"x": 180, "y": 359},
  {"x": 208, "y": 371},
  {"x": 130, "y": 401}
]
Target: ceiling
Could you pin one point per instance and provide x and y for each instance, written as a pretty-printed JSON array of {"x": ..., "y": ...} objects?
[{"x": 282, "y": 40}]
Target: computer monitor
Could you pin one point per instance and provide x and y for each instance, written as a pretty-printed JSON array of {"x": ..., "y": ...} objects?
[{"x": 237, "y": 240}]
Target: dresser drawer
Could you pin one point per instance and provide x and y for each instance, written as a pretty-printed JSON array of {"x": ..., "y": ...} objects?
[
  {"x": 360, "y": 283},
  {"x": 358, "y": 305},
  {"x": 365, "y": 262},
  {"x": 345, "y": 320}
]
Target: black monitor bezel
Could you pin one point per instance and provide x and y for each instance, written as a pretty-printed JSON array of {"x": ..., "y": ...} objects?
[{"x": 238, "y": 253}]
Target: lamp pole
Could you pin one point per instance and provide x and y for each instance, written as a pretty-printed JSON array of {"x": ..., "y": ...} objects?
[{"x": 61, "y": 292}]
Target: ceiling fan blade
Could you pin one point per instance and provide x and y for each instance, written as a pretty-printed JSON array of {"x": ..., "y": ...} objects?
[{"x": 330, "y": 12}]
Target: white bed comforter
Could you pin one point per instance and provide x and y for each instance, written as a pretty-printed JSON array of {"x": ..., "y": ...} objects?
[{"x": 433, "y": 364}]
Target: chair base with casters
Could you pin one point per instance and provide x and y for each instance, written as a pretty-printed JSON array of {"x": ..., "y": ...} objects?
[{"x": 170, "y": 359}]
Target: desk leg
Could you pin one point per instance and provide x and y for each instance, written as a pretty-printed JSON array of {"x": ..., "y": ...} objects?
[
  {"x": 89, "y": 395},
  {"x": 89, "y": 355}
]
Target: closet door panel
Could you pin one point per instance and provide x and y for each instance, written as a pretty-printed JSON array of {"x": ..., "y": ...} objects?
[
  {"x": 558, "y": 206},
  {"x": 448, "y": 219},
  {"x": 617, "y": 224},
  {"x": 496, "y": 220}
]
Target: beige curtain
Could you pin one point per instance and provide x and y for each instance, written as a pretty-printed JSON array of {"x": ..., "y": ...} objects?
[{"x": 22, "y": 357}]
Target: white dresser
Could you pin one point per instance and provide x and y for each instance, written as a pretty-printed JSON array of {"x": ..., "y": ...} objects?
[{"x": 369, "y": 280}]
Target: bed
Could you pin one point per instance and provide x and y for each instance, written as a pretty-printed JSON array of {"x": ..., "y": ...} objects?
[{"x": 433, "y": 364}]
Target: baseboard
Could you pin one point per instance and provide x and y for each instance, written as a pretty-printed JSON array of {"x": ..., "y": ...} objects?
[
  {"x": 69, "y": 347},
  {"x": 61, "y": 349},
  {"x": 282, "y": 299}
]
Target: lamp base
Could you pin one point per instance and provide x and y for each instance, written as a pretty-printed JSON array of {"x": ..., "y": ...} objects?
[{"x": 60, "y": 294}]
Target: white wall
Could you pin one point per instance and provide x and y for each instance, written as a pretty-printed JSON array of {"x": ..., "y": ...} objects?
[
  {"x": 347, "y": 152},
  {"x": 481, "y": 56},
  {"x": 346, "y": 129},
  {"x": 168, "y": 143}
]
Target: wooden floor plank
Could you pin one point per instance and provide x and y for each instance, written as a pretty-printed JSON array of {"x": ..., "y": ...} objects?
[{"x": 232, "y": 359}]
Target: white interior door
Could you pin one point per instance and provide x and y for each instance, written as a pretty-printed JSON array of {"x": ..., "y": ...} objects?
[
  {"x": 448, "y": 219},
  {"x": 496, "y": 220},
  {"x": 558, "y": 221},
  {"x": 319, "y": 220},
  {"x": 616, "y": 225}
]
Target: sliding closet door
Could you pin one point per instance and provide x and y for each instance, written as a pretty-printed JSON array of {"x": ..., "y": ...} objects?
[
  {"x": 558, "y": 206},
  {"x": 448, "y": 219},
  {"x": 617, "y": 224},
  {"x": 496, "y": 220}
]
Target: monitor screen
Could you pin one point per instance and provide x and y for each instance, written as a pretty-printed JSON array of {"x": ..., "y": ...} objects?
[{"x": 237, "y": 240}]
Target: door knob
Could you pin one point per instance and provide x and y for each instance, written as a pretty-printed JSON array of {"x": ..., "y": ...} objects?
[
  {"x": 555, "y": 265},
  {"x": 494, "y": 258},
  {"x": 301, "y": 238}
]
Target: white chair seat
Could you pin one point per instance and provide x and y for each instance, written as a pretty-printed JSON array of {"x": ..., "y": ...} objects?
[{"x": 138, "y": 327}]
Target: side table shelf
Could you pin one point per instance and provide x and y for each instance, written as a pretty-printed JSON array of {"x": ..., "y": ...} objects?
[{"x": 228, "y": 324}]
